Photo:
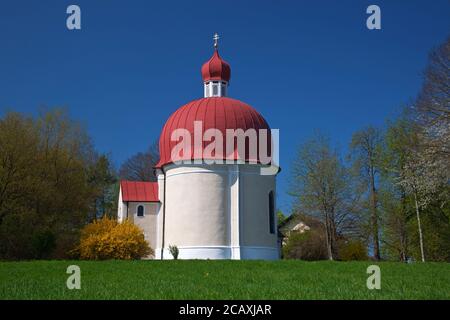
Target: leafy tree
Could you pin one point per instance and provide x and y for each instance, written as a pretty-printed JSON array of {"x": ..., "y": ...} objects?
[
  {"x": 19, "y": 144},
  {"x": 394, "y": 198},
  {"x": 436, "y": 231},
  {"x": 280, "y": 217},
  {"x": 426, "y": 173},
  {"x": 323, "y": 189},
  {"x": 365, "y": 148},
  {"x": 103, "y": 181},
  {"x": 43, "y": 244},
  {"x": 412, "y": 182},
  {"x": 422, "y": 178},
  {"x": 46, "y": 186}
]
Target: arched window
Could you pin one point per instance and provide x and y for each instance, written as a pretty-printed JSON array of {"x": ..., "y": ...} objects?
[
  {"x": 271, "y": 212},
  {"x": 140, "y": 211}
]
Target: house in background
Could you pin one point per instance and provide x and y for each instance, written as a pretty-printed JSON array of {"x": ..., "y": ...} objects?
[
  {"x": 293, "y": 223},
  {"x": 139, "y": 202}
]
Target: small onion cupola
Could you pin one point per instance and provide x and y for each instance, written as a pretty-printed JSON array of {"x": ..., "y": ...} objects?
[{"x": 216, "y": 74}]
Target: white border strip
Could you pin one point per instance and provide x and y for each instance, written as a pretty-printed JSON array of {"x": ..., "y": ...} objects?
[{"x": 221, "y": 253}]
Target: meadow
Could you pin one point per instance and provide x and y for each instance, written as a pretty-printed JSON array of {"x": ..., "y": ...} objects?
[{"x": 224, "y": 280}]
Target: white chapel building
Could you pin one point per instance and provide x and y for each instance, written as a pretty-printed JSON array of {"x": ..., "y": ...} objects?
[{"x": 217, "y": 210}]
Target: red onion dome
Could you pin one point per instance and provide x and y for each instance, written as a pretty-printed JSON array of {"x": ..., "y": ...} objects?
[
  {"x": 219, "y": 113},
  {"x": 216, "y": 69}
]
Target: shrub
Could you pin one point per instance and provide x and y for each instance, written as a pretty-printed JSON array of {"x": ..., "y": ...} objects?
[
  {"x": 352, "y": 250},
  {"x": 108, "y": 239},
  {"x": 174, "y": 252},
  {"x": 310, "y": 245}
]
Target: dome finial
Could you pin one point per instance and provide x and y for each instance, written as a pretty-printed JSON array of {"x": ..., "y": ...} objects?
[
  {"x": 216, "y": 40},
  {"x": 216, "y": 73}
]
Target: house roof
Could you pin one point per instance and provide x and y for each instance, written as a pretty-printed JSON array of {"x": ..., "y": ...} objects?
[
  {"x": 298, "y": 220},
  {"x": 288, "y": 219},
  {"x": 139, "y": 191}
]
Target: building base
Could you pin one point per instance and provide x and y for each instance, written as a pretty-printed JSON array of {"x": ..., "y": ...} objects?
[{"x": 221, "y": 253}]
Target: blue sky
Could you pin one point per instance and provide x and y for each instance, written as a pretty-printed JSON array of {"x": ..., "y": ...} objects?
[{"x": 303, "y": 65}]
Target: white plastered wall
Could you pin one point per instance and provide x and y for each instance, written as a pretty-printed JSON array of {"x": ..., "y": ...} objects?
[
  {"x": 121, "y": 208},
  {"x": 216, "y": 212},
  {"x": 148, "y": 222}
]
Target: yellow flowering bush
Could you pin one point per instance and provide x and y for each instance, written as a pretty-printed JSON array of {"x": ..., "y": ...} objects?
[{"x": 108, "y": 239}]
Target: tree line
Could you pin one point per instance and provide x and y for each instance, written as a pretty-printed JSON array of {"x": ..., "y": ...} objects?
[
  {"x": 53, "y": 182},
  {"x": 391, "y": 191}
]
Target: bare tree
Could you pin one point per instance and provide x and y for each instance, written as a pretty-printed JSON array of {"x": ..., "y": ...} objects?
[
  {"x": 140, "y": 167},
  {"x": 321, "y": 186},
  {"x": 365, "y": 148},
  {"x": 433, "y": 108},
  {"x": 433, "y": 103}
]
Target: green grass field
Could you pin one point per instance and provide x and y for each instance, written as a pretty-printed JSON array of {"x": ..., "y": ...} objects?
[{"x": 222, "y": 280}]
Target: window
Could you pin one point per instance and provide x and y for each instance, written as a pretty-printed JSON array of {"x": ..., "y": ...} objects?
[
  {"x": 271, "y": 213},
  {"x": 140, "y": 211},
  {"x": 215, "y": 90}
]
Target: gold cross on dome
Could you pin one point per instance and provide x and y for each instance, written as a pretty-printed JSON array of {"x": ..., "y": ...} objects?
[{"x": 216, "y": 40}]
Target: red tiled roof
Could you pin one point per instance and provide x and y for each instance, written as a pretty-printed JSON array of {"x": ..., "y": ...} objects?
[{"x": 139, "y": 191}]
